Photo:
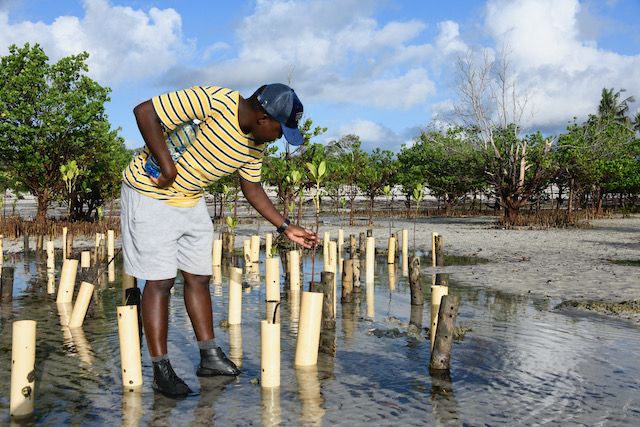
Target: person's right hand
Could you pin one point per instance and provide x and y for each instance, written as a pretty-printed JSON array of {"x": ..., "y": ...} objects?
[{"x": 162, "y": 181}]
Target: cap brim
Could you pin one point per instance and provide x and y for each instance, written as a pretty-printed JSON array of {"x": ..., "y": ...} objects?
[{"x": 293, "y": 135}]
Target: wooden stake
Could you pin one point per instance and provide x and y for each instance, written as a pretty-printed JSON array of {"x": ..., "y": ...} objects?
[
  {"x": 441, "y": 353},
  {"x": 347, "y": 281},
  {"x": 433, "y": 248},
  {"x": 415, "y": 282},
  {"x": 328, "y": 302},
  {"x": 439, "y": 251},
  {"x": 437, "y": 292},
  {"x": 7, "y": 284},
  {"x": 391, "y": 255}
]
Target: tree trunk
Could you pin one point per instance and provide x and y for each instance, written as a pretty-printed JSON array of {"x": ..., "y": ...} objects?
[
  {"x": 571, "y": 194},
  {"x": 43, "y": 204},
  {"x": 371, "y": 200},
  {"x": 447, "y": 206},
  {"x": 510, "y": 214}
]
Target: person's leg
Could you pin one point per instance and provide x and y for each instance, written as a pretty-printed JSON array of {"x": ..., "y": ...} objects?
[
  {"x": 197, "y": 300},
  {"x": 155, "y": 314}
]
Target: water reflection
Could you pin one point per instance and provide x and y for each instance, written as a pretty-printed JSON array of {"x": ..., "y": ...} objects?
[{"x": 545, "y": 367}]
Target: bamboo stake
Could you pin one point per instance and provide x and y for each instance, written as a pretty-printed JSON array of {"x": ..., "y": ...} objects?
[
  {"x": 23, "y": 378},
  {"x": 309, "y": 329},
  {"x": 270, "y": 354},
  {"x": 268, "y": 244},
  {"x": 255, "y": 248},
  {"x": 294, "y": 268},
  {"x": 67, "y": 280},
  {"x": 216, "y": 256},
  {"x": 272, "y": 278},
  {"x": 405, "y": 252},
  {"x": 235, "y": 296},
  {"x": 129, "y": 337},
  {"x": 370, "y": 259},
  {"x": 391, "y": 255},
  {"x": 82, "y": 303}
]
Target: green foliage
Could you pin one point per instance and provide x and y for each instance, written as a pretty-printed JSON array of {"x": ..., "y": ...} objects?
[
  {"x": 50, "y": 114},
  {"x": 378, "y": 172},
  {"x": 349, "y": 161},
  {"x": 232, "y": 221}
]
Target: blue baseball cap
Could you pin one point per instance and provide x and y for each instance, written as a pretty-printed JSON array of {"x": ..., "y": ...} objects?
[{"x": 282, "y": 103}]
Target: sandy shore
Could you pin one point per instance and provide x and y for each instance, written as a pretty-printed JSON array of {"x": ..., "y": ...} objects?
[{"x": 562, "y": 264}]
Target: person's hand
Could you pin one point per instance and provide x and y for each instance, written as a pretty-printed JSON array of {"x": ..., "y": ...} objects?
[
  {"x": 162, "y": 181},
  {"x": 303, "y": 236}
]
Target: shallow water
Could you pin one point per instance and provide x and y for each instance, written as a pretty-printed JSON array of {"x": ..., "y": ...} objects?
[{"x": 521, "y": 364}]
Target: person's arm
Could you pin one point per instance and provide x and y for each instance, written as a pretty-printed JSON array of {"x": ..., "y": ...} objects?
[
  {"x": 255, "y": 194},
  {"x": 151, "y": 131}
]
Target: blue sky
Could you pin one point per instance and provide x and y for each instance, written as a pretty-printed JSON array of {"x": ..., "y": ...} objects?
[{"x": 379, "y": 69}]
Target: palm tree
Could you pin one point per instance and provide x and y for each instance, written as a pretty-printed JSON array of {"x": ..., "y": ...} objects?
[
  {"x": 611, "y": 105},
  {"x": 636, "y": 122}
]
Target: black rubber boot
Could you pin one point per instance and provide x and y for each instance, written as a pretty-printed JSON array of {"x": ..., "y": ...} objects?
[
  {"x": 214, "y": 362},
  {"x": 166, "y": 381}
]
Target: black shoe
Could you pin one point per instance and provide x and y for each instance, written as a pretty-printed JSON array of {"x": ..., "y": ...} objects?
[
  {"x": 215, "y": 362},
  {"x": 166, "y": 381}
]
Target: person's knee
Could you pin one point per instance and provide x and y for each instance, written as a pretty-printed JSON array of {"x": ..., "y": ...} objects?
[
  {"x": 158, "y": 287},
  {"x": 197, "y": 281}
]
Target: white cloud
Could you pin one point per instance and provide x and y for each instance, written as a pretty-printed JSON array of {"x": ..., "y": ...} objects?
[
  {"x": 550, "y": 54},
  {"x": 123, "y": 44},
  {"x": 333, "y": 51},
  {"x": 372, "y": 135}
]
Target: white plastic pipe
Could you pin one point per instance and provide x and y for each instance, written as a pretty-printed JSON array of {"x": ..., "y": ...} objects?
[
  {"x": 270, "y": 354},
  {"x": 294, "y": 268},
  {"x": 235, "y": 296},
  {"x": 23, "y": 359},
  {"x": 82, "y": 303},
  {"x": 370, "y": 259},
  {"x": 67, "y": 280},
  {"x": 309, "y": 329},
  {"x": 216, "y": 256},
  {"x": 129, "y": 336},
  {"x": 272, "y": 278}
]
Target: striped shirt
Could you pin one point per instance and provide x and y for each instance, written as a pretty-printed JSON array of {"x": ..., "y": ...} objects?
[{"x": 219, "y": 149}]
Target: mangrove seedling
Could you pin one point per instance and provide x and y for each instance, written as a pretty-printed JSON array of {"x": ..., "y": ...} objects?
[
  {"x": 70, "y": 173},
  {"x": 387, "y": 192},
  {"x": 318, "y": 173},
  {"x": 417, "y": 196}
]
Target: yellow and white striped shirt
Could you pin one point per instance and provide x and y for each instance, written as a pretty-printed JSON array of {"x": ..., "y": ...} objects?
[{"x": 219, "y": 149}]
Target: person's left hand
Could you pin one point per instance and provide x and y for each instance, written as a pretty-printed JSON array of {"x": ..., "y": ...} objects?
[{"x": 303, "y": 236}]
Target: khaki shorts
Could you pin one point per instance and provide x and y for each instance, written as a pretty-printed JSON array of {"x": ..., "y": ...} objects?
[{"x": 158, "y": 239}]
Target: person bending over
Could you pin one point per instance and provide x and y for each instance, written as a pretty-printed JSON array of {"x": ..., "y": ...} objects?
[{"x": 165, "y": 223}]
